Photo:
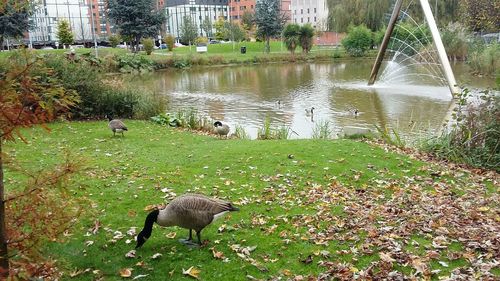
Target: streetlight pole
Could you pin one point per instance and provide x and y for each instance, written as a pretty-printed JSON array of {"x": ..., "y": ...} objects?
[{"x": 93, "y": 28}]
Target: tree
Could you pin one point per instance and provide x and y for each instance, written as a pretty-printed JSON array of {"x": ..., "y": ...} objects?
[
  {"x": 481, "y": 15},
  {"x": 14, "y": 19},
  {"x": 64, "y": 33},
  {"x": 269, "y": 20},
  {"x": 233, "y": 32},
  {"x": 248, "y": 20},
  {"x": 219, "y": 28},
  {"x": 188, "y": 31},
  {"x": 30, "y": 95},
  {"x": 136, "y": 18},
  {"x": 206, "y": 25},
  {"x": 306, "y": 38},
  {"x": 357, "y": 41},
  {"x": 291, "y": 36}
]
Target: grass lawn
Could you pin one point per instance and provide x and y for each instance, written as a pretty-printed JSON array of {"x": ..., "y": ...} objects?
[{"x": 307, "y": 207}]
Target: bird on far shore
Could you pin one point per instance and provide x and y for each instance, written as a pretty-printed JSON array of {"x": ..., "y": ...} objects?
[
  {"x": 221, "y": 129},
  {"x": 116, "y": 125}
]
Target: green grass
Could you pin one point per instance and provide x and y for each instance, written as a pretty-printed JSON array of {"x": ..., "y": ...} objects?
[{"x": 286, "y": 202}]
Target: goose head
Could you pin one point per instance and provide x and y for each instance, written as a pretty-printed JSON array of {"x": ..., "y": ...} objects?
[
  {"x": 109, "y": 116},
  {"x": 145, "y": 233},
  {"x": 217, "y": 124}
]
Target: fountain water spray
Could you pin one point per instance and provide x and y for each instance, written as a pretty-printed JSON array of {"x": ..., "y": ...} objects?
[{"x": 443, "y": 58}]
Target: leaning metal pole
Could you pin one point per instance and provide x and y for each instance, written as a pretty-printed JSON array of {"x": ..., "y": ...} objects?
[
  {"x": 385, "y": 42},
  {"x": 443, "y": 58}
]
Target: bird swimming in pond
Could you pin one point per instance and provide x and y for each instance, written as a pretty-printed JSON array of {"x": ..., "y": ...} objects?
[
  {"x": 309, "y": 112},
  {"x": 221, "y": 129},
  {"x": 117, "y": 126},
  {"x": 190, "y": 211}
]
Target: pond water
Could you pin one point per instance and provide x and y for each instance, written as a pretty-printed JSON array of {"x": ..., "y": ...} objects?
[{"x": 247, "y": 95}]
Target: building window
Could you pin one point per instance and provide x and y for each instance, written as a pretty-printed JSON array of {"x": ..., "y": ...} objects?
[
  {"x": 301, "y": 11},
  {"x": 314, "y": 19},
  {"x": 315, "y": 10},
  {"x": 308, "y": 19},
  {"x": 301, "y": 20},
  {"x": 308, "y": 10}
]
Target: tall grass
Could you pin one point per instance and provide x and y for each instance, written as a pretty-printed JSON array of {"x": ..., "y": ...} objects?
[
  {"x": 267, "y": 132},
  {"x": 474, "y": 137},
  {"x": 390, "y": 136},
  {"x": 485, "y": 59},
  {"x": 240, "y": 133},
  {"x": 322, "y": 130}
]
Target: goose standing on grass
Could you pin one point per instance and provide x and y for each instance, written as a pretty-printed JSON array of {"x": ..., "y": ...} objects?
[
  {"x": 117, "y": 126},
  {"x": 221, "y": 129},
  {"x": 310, "y": 112},
  {"x": 190, "y": 211}
]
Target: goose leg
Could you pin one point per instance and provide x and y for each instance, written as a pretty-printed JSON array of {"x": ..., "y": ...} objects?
[
  {"x": 190, "y": 235},
  {"x": 199, "y": 236}
]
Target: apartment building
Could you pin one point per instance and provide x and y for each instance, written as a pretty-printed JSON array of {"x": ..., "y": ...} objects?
[
  {"x": 314, "y": 12},
  {"x": 48, "y": 13},
  {"x": 238, "y": 7},
  {"x": 198, "y": 10}
]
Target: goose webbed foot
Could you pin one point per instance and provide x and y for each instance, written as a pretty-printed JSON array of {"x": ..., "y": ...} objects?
[{"x": 189, "y": 241}]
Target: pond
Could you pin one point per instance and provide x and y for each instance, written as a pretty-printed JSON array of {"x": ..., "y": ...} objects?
[{"x": 247, "y": 95}]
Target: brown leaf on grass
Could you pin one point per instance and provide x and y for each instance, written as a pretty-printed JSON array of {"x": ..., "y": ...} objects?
[
  {"x": 308, "y": 260},
  {"x": 216, "y": 254},
  {"x": 126, "y": 272},
  {"x": 192, "y": 271},
  {"x": 95, "y": 228},
  {"x": 386, "y": 257},
  {"x": 130, "y": 254}
]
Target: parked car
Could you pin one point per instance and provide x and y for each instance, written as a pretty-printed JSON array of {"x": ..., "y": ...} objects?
[
  {"x": 121, "y": 46},
  {"x": 177, "y": 44},
  {"x": 214, "y": 42},
  {"x": 47, "y": 48},
  {"x": 163, "y": 46}
]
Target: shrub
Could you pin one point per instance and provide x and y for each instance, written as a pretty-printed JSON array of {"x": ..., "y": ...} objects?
[
  {"x": 170, "y": 41},
  {"x": 201, "y": 40},
  {"x": 485, "y": 59},
  {"x": 358, "y": 41},
  {"x": 455, "y": 39},
  {"x": 474, "y": 137},
  {"x": 114, "y": 40},
  {"x": 132, "y": 63},
  {"x": 148, "y": 44}
]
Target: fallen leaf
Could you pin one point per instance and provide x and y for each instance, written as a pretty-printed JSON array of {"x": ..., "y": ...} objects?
[
  {"x": 386, "y": 257},
  {"x": 308, "y": 260},
  {"x": 217, "y": 255},
  {"x": 130, "y": 254},
  {"x": 140, "y": 276},
  {"x": 156, "y": 256},
  {"x": 171, "y": 235},
  {"x": 126, "y": 272},
  {"x": 192, "y": 271}
]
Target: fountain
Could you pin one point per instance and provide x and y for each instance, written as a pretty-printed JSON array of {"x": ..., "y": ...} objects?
[{"x": 398, "y": 67}]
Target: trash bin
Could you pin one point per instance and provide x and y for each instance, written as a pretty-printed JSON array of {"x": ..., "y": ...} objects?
[{"x": 243, "y": 49}]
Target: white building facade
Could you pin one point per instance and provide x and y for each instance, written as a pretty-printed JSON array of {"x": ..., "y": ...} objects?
[
  {"x": 198, "y": 10},
  {"x": 49, "y": 12},
  {"x": 314, "y": 12}
]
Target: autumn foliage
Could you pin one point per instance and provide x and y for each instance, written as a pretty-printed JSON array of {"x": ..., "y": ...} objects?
[{"x": 39, "y": 208}]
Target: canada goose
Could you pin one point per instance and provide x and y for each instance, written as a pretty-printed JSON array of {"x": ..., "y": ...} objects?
[
  {"x": 190, "y": 211},
  {"x": 309, "y": 112},
  {"x": 221, "y": 129},
  {"x": 117, "y": 126}
]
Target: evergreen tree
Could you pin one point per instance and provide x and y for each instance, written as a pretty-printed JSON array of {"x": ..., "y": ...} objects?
[
  {"x": 14, "y": 19},
  {"x": 269, "y": 20},
  {"x": 206, "y": 25},
  {"x": 136, "y": 18},
  {"x": 188, "y": 31},
  {"x": 64, "y": 33}
]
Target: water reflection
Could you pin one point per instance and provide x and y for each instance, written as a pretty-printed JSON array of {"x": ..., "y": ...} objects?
[{"x": 246, "y": 95}]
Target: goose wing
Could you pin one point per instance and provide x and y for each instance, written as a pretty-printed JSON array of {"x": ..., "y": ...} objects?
[
  {"x": 197, "y": 211},
  {"x": 117, "y": 124}
]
